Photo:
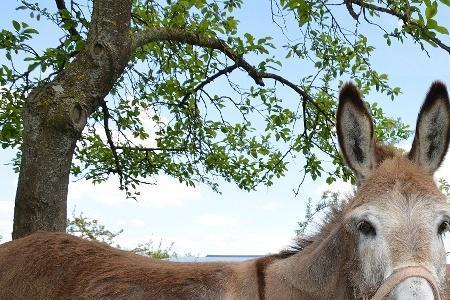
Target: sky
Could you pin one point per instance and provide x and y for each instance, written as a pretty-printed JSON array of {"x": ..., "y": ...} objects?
[{"x": 199, "y": 221}]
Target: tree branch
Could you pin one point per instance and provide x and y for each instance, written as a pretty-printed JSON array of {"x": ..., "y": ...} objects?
[
  {"x": 363, "y": 4},
  {"x": 106, "y": 117},
  {"x": 298, "y": 90},
  {"x": 61, "y": 5},
  {"x": 207, "y": 81},
  {"x": 352, "y": 13},
  {"x": 177, "y": 35},
  {"x": 149, "y": 149},
  {"x": 161, "y": 34}
]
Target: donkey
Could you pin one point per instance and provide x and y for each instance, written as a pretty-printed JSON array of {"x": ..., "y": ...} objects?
[{"x": 384, "y": 242}]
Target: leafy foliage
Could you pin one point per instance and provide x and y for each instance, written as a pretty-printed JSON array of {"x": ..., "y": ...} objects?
[
  {"x": 91, "y": 229},
  {"x": 327, "y": 201},
  {"x": 158, "y": 251},
  {"x": 444, "y": 186},
  {"x": 165, "y": 114}
]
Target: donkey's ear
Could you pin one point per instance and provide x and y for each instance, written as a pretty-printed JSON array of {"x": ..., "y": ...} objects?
[
  {"x": 432, "y": 130},
  {"x": 355, "y": 131}
]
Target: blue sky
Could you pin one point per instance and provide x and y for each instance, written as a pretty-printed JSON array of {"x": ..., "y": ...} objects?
[{"x": 200, "y": 221}]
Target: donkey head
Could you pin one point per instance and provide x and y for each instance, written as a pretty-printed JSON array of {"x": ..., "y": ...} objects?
[{"x": 398, "y": 215}]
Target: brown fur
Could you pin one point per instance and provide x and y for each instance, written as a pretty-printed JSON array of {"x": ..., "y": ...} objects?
[
  {"x": 398, "y": 189},
  {"x": 67, "y": 267},
  {"x": 261, "y": 267}
]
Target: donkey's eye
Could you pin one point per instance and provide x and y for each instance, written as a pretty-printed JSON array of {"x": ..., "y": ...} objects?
[
  {"x": 443, "y": 227},
  {"x": 366, "y": 228}
]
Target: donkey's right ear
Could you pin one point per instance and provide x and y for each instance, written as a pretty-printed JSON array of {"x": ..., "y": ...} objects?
[{"x": 355, "y": 131}]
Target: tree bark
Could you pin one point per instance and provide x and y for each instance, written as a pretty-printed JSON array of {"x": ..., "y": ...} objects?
[
  {"x": 44, "y": 174},
  {"x": 55, "y": 114}
]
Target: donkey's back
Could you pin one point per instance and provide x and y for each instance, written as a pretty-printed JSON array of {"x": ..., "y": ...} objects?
[{"x": 60, "y": 266}]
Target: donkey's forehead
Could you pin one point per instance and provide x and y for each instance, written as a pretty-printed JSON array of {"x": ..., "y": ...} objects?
[
  {"x": 394, "y": 204},
  {"x": 399, "y": 178}
]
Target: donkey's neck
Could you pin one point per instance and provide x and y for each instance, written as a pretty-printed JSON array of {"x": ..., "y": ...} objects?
[{"x": 317, "y": 272}]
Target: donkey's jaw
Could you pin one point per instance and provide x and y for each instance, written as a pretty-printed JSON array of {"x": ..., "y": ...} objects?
[{"x": 414, "y": 288}]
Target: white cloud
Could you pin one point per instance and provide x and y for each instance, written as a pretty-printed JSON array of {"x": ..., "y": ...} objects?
[
  {"x": 236, "y": 242},
  {"x": 271, "y": 205},
  {"x": 6, "y": 207},
  {"x": 337, "y": 186},
  {"x": 444, "y": 169},
  {"x": 129, "y": 242},
  {"x": 132, "y": 223},
  {"x": 167, "y": 192},
  {"x": 149, "y": 125},
  {"x": 405, "y": 145},
  {"x": 216, "y": 220},
  {"x": 6, "y": 219}
]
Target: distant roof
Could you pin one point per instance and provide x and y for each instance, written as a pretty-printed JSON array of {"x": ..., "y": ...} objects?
[{"x": 213, "y": 258}]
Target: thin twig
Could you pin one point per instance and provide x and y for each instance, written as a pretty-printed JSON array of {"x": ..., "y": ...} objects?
[
  {"x": 207, "y": 81},
  {"x": 106, "y": 117}
]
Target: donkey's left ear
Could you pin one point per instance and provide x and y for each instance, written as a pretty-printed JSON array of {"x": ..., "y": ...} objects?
[{"x": 432, "y": 130}]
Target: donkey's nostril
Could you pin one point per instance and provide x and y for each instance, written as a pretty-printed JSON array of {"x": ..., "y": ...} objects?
[{"x": 414, "y": 288}]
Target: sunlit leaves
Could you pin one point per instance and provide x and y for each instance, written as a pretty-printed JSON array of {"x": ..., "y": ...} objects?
[
  {"x": 444, "y": 186},
  {"x": 91, "y": 229},
  {"x": 10, "y": 116},
  {"x": 433, "y": 25},
  {"x": 328, "y": 200},
  {"x": 178, "y": 109},
  {"x": 388, "y": 130},
  {"x": 303, "y": 9},
  {"x": 431, "y": 10}
]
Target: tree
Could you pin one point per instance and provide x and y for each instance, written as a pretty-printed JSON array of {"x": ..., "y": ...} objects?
[
  {"x": 328, "y": 200},
  {"x": 91, "y": 229},
  {"x": 80, "y": 106}
]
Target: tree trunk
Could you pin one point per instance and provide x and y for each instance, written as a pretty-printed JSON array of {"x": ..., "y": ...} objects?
[
  {"x": 47, "y": 151},
  {"x": 55, "y": 114}
]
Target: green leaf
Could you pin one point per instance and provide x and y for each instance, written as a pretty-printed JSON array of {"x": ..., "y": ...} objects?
[
  {"x": 32, "y": 66},
  {"x": 431, "y": 10},
  {"x": 16, "y": 25},
  {"x": 30, "y": 30},
  {"x": 249, "y": 37},
  {"x": 446, "y": 2},
  {"x": 433, "y": 25},
  {"x": 441, "y": 29}
]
